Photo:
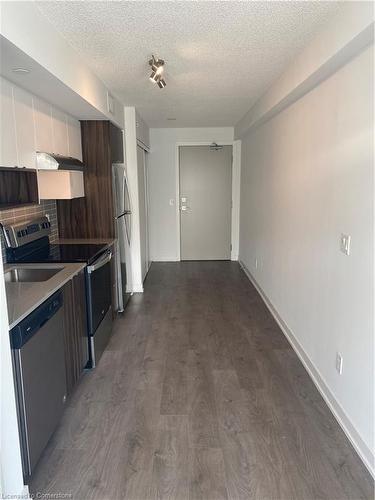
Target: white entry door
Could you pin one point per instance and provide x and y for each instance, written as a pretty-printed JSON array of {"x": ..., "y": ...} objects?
[{"x": 205, "y": 202}]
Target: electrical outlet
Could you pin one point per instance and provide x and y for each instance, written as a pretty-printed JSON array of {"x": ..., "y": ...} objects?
[
  {"x": 339, "y": 363},
  {"x": 171, "y": 202},
  {"x": 345, "y": 243}
]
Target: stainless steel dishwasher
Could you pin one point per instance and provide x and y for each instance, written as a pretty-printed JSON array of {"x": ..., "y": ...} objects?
[{"x": 39, "y": 372}]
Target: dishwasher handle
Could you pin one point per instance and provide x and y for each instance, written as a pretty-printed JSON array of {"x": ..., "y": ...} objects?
[
  {"x": 28, "y": 327},
  {"x": 102, "y": 261}
]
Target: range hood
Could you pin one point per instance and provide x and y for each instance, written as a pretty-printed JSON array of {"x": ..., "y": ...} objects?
[
  {"x": 52, "y": 161},
  {"x": 59, "y": 177}
]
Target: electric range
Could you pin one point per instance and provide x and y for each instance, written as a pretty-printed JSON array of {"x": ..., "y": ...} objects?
[{"x": 28, "y": 242}]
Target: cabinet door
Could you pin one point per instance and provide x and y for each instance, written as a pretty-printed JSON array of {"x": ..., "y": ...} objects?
[
  {"x": 43, "y": 126},
  {"x": 8, "y": 149},
  {"x": 74, "y": 138},
  {"x": 70, "y": 343},
  {"x": 79, "y": 287},
  {"x": 59, "y": 133},
  {"x": 93, "y": 215},
  {"x": 23, "y": 110},
  {"x": 75, "y": 330}
]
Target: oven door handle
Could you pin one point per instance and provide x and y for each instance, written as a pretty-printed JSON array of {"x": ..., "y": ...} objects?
[{"x": 100, "y": 262}]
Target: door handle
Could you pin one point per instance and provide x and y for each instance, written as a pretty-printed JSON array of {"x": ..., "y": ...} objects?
[
  {"x": 184, "y": 208},
  {"x": 126, "y": 212},
  {"x": 100, "y": 262}
]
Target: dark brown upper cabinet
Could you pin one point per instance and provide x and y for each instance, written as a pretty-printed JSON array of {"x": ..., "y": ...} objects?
[
  {"x": 93, "y": 215},
  {"x": 18, "y": 187}
]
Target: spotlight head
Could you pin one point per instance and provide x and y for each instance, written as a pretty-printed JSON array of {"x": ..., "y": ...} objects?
[
  {"x": 161, "y": 83},
  {"x": 154, "y": 77}
]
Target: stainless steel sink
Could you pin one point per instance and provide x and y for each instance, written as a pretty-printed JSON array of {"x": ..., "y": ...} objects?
[{"x": 25, "y": 275}]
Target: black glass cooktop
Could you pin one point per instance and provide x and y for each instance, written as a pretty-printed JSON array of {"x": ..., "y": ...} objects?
[{"x": 60, "y": 253}]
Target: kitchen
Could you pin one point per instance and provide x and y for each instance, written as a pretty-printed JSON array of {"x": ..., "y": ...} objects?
[
  {"x": 76, "y": 278},
  {"x": 171, "y": 325},
  {"x": 68, "y": 227}
]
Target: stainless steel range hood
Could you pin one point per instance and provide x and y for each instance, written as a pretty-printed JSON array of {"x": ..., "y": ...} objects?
[{"x": 52, "y": 161}]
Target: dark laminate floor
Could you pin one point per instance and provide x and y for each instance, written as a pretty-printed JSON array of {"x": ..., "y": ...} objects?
[{"x": 199, "y": 396}]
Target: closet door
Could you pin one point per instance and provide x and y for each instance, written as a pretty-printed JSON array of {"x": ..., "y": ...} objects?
[
  {"x": 143, "y": 216},
  {"x": 147, "y": 203}
]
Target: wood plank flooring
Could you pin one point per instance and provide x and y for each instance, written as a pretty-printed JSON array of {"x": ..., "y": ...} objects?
[{"x": 199, "y": 396}]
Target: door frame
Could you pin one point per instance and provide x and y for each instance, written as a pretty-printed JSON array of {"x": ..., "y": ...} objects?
[{"x": 236, "y": 180}]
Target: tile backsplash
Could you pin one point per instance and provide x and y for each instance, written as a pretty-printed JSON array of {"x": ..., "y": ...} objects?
[{"x": 13, "y": 215}]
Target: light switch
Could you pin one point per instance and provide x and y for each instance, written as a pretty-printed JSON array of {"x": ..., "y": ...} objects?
[
  {"x": 183, "y": 199},
  {"x": 345, "y": 241}
]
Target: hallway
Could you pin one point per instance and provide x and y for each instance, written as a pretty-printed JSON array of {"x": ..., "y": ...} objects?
[{"x": 199, "y": 396}]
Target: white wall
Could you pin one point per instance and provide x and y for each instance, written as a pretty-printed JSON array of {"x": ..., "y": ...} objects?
[
  {"x": 162, "y": 183},
  {"x": 136, "y": 284},
  {"x": 352, "y": 28},
  {"x": 30, "y": 124},
  {"x": 11, "y": 479},
  {"x": 307, "y": 177}
]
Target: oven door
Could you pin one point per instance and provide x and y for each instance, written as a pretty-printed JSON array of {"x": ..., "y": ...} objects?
[
  {"x": 99, "y": 290},
  {"x": 99, "y": 311}
]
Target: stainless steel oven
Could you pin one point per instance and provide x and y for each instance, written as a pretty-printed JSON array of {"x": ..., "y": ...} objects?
[
  {"x": 29, "y": 242},
  {"x": 99, "y": 299}
]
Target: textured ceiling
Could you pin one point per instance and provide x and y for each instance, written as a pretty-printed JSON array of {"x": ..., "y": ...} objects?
[{"x": 220, "y": 56}]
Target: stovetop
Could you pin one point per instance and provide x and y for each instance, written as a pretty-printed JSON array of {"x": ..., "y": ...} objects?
[
  {"x": 29, "y": 242},
  {"x": 59, "y": 253}
]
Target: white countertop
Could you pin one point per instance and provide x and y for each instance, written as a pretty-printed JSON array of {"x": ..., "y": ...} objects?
[{"x": 23, "y": 298}]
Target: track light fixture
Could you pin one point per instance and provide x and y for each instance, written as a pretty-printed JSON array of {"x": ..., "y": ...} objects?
[{"x": 157, "y": 68}]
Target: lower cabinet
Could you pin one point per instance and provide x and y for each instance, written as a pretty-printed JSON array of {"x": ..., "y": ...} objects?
[{"x": 75, "y": 330}]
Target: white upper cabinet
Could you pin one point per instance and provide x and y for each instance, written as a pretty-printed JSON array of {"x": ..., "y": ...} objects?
[
  {"x": 30, "y": 124},
  {"x": 74, "y": 138},
  {"x": 8, "y": 145},
  {"x": 23, "y": 110},
  {"x": 59, "y": 133},
  {"x": 43, "y": 126}
]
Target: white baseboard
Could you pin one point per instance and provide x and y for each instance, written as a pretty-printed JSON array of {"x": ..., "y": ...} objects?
[
  {"x": 345, "y": 423},
  {"x": 165, "y": 259}
]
